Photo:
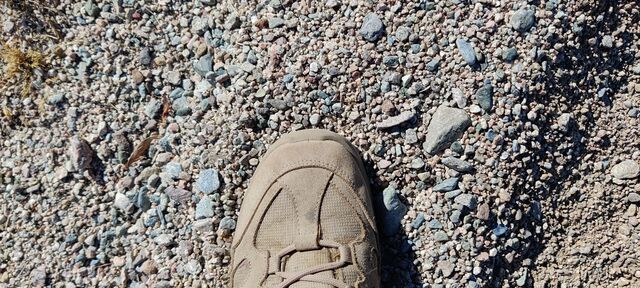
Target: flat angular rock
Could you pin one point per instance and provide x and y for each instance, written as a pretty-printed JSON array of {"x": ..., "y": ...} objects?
[
  {"x": 275, "y": 22},
  {"x": 204, "y": 65},
  {"x": 80, "y": 154},
  {"x": 446, "y": 126},
  {"x": 395, "y": 120},
  {"x": 457, "y": 164},
  {"x": 468, "y": 200},
  {"x": 178, "y": 194},
  {"x": 208, "y": 181},
  {"x": 466, "y": 51},
  {"x": 447, "y": 185},
  {"x": 203, "y": 225}
]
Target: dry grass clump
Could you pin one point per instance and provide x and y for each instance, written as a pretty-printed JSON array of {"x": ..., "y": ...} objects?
[
  {"x": 25, "y": 52},
  {"x": 20, "y": 66}
]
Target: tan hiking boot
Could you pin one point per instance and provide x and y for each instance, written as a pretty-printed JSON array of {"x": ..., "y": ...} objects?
[{"x": 307, "y": 219}]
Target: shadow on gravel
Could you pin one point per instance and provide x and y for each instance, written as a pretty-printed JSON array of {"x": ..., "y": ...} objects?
[
  {"x": 399, "y": 269},
  {"x": 582, "y": 73}
]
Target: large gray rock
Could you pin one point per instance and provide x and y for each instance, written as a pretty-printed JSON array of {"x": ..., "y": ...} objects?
[
  {"x": 466, "y": 51},
  {"x": 522, "y": 20},
  {"x": 372, "y": 27},
  {"x": 446, "y": 125},
  {"x": 627, "y": 169}
]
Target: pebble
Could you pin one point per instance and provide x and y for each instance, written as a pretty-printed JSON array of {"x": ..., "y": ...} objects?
[
  {"x": 91, "y": 8},
  {"x": 440, "y": 236},
  {"x": 402, "y": 33},
  {"x": 193, "y": 267},
  {"x": 204, "y": 65},
  {"x": 446, "y": 268},
  {"x": 145, "y": 56},
  {"x": 509, "y": 54},
  {"x": 227, "y": 223},
  {"x": 233, "y": 22},
  {"x": 275, "y": 22},
  {"x": 410, "y": 137},
  {"x": 314, "y": 119},
  {"x": 204, "y": 208},
  {"x": 607, "y": 41},
  {"x": 499, "y": 230},
  {"x": 164, "y": 240},
  {"x": 173, "y": 169},
  {"x": 522, "y": 20},
  {"x": 181, "y": 106},
  {"x": 174, "y": 78},
  {"x": 633, "y": 197},
  {"x": 447, "y": 125},
  {"x": 416, "y": 223},
  {"x": 433, "y": 64},
  {"x": 152, "y": 108},
  {"x": 208, "y": 181},
  {"x": 372, "y": 27},
  {"x": 392, "y": 210},
  {"x": 56, "y": 99},
  {"x": 627, "y": 169},
  {"x": 459, "y": 97},
  {"x": 148, "y": 267},
  {"x": 434, "y": 224},
  {"x": 122, "y": 202},
  {"x": 203, "y": 225},
  {"x": 484, "y": 95}
]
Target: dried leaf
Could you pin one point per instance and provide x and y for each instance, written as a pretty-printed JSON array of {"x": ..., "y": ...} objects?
[
  {"x": 262, "y": 23},
  {"x": 140, "y": 150},
  {"x": 165, "y": 110},
  {"x": 7, "y": 112}
]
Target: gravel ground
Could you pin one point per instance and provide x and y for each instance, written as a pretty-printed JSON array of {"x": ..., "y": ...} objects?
[{"x": 501, "y": 137}]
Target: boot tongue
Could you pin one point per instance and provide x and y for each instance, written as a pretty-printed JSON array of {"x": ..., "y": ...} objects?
[{"x": 300, "y": 261}]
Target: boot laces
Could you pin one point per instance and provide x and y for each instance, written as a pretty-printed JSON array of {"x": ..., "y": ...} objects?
[{"x": 310, "y": 274}]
